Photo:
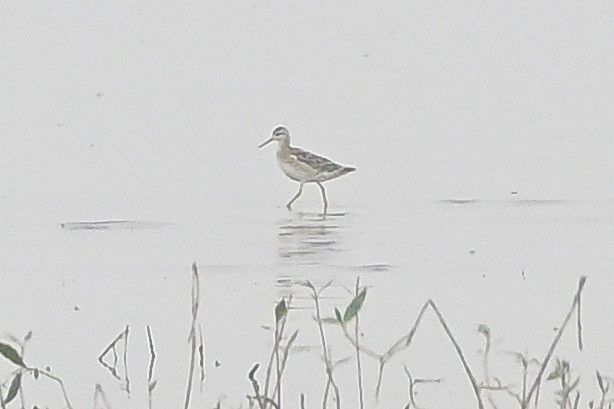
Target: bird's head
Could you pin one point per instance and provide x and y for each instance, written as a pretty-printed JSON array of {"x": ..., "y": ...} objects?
[{"x": 279, "y": 134}]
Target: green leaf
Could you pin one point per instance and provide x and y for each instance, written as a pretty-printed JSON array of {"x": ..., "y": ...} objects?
[
  {"x": 352, "y": 310},
  {"x": 9, "y": 353},
  {"x": 338, "y": 315},
  {"x": 14, "y": 388},
  {"x": 280, "y": 310}
]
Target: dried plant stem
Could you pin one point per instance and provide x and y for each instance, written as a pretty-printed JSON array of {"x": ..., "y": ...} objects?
[
  {"x": 357, "y": 348},
  {"x": 279, "y": 355},
  {"x": 405, "y": 342},
  {"x": 278, "y": 366},
  {"x": 325, "y": 394},
  {"x": 192, "y": 336},
  {"x": 190, "y": 375},
  {"x": 22, "y": 399},
  {"x": 270, "y": 402},
  {"x": 525, "y": 370},
  {"x": 2, "y": 404},
  {"x": 36, "y": 372},
  {"x": 152, "y": 359},
  {"x": 274, "y": 356},
  {"x": 579, "y": 323},
  {"x": 112, "y": 348},
  {"x": 412, "y": 384},
  {"x": 486, "y": 332},
  {"x": 152, "y": 355},
  {"x": 459, "y": 352},
  {"x": 540, "y": 374},
  {"x": 603, "y": 387},
  {"x": 111, "y": 345},
  {"x": 269, "y": 369},
  {"x": 58, "y": 380},
  {"x": 201, "y": 356},
  {"x": 279, "y": 330},
  {"x": 255, "y": 386},
  {"x": 125, "y": 360},
  {"x": 327, "y": 360},
  {"x": 412, "y": 402},
  {"x": 99, "y": 392},
  {"x": 262, "y": 400},
  {"x": 284, "y": 359},
  {"x": 353, "y": 339}
]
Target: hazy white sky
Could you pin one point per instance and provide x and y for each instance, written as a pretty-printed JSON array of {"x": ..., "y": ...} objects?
[{"x": 427, "y": 99}]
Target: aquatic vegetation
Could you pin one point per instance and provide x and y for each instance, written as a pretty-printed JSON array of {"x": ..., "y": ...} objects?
[
  {"x": 279, "y": 357},
  {"x": 16, "y": 376},
  {"x": 267, "y": 393},
  {"x": 567, "y": 397}
]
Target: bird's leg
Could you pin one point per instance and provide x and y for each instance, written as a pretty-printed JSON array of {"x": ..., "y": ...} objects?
[
  {"x": 323, "y": 197},
  {"x": 296, "y": 196}
]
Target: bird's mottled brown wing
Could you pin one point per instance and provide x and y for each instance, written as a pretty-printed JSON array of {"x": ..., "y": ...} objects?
[{"x": 314, "y": 161}]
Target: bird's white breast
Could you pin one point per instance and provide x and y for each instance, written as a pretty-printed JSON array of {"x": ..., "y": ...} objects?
[{"x": 294, "y": 171}]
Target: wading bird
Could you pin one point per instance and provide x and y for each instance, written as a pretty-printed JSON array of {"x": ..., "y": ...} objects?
[{"x": 303, "y": 166}]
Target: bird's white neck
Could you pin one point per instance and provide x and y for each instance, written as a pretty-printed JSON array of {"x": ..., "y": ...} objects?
[
  {"x": 283, "y": 145},
  {"x": 283, "y": 150}
]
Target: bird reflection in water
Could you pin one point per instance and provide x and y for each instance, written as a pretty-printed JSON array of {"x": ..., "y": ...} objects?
[{"x": 309, "y": 239}]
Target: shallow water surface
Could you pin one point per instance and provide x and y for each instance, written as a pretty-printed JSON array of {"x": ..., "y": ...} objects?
[{"x": 512, "y": 265}]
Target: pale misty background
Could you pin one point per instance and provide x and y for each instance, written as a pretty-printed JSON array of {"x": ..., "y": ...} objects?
[
  {"x": 428, "y": 100},
  {"x": 153, "y": 111}
]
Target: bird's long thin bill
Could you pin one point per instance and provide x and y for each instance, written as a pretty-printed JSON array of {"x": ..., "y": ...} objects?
[{"x": 265, "y": 142}]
